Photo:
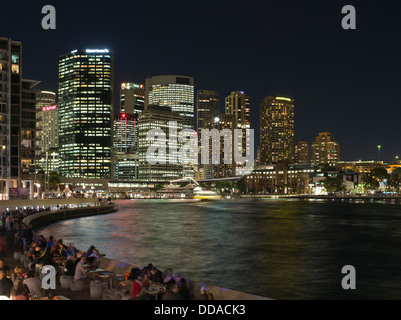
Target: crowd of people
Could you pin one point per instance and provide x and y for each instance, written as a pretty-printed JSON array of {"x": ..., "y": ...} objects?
[
  {"x": 175, "y": 287},
  {"x": 22, "y": 283}
]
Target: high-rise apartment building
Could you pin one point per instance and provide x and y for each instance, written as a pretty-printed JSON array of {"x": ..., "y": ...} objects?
[
  {"x": 17, "y": 122},
  {"x": 85, "y": 114},
  {"x": 325, "y": 150},
  {"x": 302, "y": 152},
  {"x": 207, "y": 104},
  {"x": 277, "y": 131},
  {"x": 174, "y": 91},
  {"x": 169, "y": 166}
]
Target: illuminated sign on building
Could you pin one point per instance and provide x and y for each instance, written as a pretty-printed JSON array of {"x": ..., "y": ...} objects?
[
  {"x": 49, "y": 108},
  {"x": 97, "y": 51}
]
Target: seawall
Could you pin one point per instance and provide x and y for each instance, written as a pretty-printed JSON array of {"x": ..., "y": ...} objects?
[{"x": 43, "y": 218}]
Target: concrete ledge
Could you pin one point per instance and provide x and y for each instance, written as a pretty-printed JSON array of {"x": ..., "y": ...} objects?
[{"x": 47, "y": 217}]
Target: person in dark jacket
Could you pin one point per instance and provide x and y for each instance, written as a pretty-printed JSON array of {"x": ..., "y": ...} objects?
[{"x": 5, "y": 285}]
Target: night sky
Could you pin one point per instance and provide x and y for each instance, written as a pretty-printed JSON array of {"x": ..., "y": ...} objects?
[{"x": 345, "y": 82}]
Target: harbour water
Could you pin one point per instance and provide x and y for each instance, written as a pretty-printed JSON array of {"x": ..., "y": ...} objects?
[{"x": 281, "y": 249}]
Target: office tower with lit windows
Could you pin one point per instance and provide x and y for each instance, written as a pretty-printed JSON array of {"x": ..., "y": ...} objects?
[
  {"x": 125, "y": 144},
  {"x": 168, "y": 167},
  {"x": 132, "y": 98},
  {"x": 325, "y": 150},
  {"x": 277, "y": 130},
  {"x": 302, "y": 152},
  {"x": 85, "y": 114},
  {"x": 220, "y": 169},
  {"x": 30, "y": 93},
  {"x": 47, "y": 122},
  {"x": 174, "y": 91},
  {"x": 17, "y": 122},
  {"x": 207, "y": 104},
  {"x": 238, "y": 105}
]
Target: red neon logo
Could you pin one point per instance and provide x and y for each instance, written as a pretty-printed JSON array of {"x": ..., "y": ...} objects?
[{"x": 50, "y": 108}]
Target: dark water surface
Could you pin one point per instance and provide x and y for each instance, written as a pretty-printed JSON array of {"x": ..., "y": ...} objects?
[{"x": 282, "y": 249}]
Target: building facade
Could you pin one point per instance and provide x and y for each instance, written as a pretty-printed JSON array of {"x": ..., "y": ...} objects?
[
  {"x": 325, "y": 150},
  {"x": 277, "y": 130},
  {"x": 282, "y": 178},
  {"x": 207, "y": 104},
  {"x": 168, "y": 166},
  {"x": 174, "y": 91},
  {"x": 85, "y": 114},
  {"x": 132, "y": 98},
  {"x": 17, "y": 123},
  {"x": 301, "y": 152},
  {"x": 217, "y": 166},
  {"x": 47, "y": 122}
]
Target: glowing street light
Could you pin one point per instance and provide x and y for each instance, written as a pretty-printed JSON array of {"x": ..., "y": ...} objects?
[{"x": 379, "y": 147}]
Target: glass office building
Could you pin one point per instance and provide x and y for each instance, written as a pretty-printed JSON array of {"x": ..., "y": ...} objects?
[
  {"x": 85, "y": 114},
  {"x": 176, "y": 92}
]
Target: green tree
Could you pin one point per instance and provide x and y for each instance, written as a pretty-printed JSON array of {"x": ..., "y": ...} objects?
[
  {"x": 53, "y": 179},
  {"x": 394, "y": 181},
  {"x": 333, "y": 184},
  {"x": 241, "y": 184},
  {"x": 379, "y": 173},
  {"x": 397, "y": 172},
  {"x": 370, "y": 182}
]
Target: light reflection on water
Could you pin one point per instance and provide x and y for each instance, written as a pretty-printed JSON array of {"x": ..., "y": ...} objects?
[{"x": 279, "y": 249}]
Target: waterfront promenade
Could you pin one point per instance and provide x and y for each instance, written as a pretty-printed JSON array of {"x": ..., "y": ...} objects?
[{"x": 115, "y": 271}]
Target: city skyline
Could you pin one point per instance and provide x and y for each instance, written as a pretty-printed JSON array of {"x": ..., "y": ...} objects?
[{"x": 338, "y": 79}]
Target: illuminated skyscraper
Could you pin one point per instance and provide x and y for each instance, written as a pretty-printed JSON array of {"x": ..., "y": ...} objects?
[
  {"x": 325, "y": 150},
  {"x": 176, "y": 92},
  {"x": 220, "y": 169},
  {"x": 132, "y": 98},
  {"x": 277, "y": 130},
  {"x": 159, "y": 117},
  {"x": 238, "y": 104},
  {"x": 85, "y": 113},
  {"x": 125, "y": 144},
  {"x": 47, "y": 125},
  {"x": 207, "y": 104},
  {"x": 17, "y": 121}
]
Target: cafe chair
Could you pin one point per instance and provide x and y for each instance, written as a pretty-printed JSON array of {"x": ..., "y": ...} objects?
[
  {"x": 38, "y": 267},
  {"x": 17, "y": 255},
  {"x": 96, "y": 289},
  {"x": 112, "y": 294},
  {"x": 65, "y": 281},
  {"x": 77, "y": 285}
]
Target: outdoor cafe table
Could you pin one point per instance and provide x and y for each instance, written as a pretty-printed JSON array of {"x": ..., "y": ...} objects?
[
  {"x": 99, "y": 274},
  {"x": 155, "y": 290}
]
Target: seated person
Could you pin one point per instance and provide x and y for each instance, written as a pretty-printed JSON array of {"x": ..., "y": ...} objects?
[
  {"x": 156, "y": 275},
  {"x": 5, "y": 284},
  {"x": 79, "y": 269},
  {"x": 33, "y": 285}
]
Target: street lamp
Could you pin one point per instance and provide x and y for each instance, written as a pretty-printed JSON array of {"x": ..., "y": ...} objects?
[{"x": 379, "y": 147}]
